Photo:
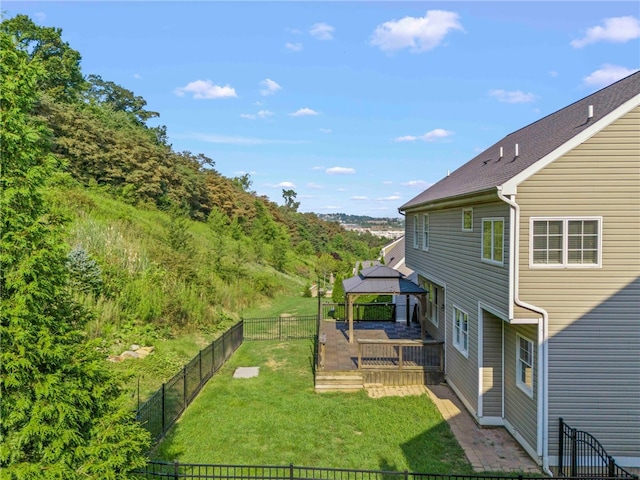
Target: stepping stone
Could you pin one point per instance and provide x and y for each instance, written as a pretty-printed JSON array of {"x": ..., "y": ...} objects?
[{"x": 246, "y": 372}]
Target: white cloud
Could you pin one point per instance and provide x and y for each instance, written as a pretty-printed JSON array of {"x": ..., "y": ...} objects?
[
  {"x": 322, "y": 31},
  {"x": 314, "y": 185},
  {"x": 615, "y": 29},
  {"x": 260, "y": 114},
  {"x": 325, "y": 130},
  {"x": 317, "y": 168},
  {"x": 295, "y": 31},
  {"x": 304, "y": 112},
  {"x": 432, "y": 136},
  {"x": 419, "y": 34},
  {"x": 234, "y": 140},
  {"x": 359, "y": 198},
  {"x": 294, "y": 47},
  {"x": 340, "y": 171},
  {"x": 417, "y": 184},
  {"x": 390, "y": 198},
  {"x": 205, "y": 89},
  {"x": 406, "y": 138},
  {"x": 515, "y": 96},
  {"x": 137, "y": 76},
  {"x": 40, "y": 17},
  {"x": 436, "y": 134},
  {"x": 270, "y": 87},
  {"x": 287, "y": 185},
  {"x": 332, "y": 207},
  {"x": 553, "y": 73},
  {"x": 606, "y": 75}
]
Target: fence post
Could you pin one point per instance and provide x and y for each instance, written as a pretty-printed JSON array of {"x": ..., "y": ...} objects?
[
  {"x": 176, "y": 470},
  {"x": 200, "y": 365},
  {"x": 561, "y": 447},
  {"x": 163, "y": 423},
  {"x": 612, "y": 467},
  {"x": 406, "y": 474},
  {"x": 291, "y": 471},
  {"x": 279, "y": 328},
  {"x": 184, "y": 387},
  {"x": 574, "y": 452}
]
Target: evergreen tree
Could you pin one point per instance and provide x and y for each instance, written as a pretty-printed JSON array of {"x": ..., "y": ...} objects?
[
  {"x": 62, "y": 413},
  {"x": 338, "y": 290}
]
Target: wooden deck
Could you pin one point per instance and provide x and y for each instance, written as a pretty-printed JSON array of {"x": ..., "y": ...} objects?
[{"x": 383, "y": 353}]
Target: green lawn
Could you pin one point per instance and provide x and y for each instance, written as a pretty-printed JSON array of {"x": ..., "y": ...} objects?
[{"x": 277, "y": 419}]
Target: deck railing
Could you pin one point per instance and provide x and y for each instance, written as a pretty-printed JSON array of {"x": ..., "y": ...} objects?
[{"x": 400, "y": 354}]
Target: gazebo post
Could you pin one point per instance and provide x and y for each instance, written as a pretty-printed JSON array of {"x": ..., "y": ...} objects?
[{"x": 350, "y": 316}]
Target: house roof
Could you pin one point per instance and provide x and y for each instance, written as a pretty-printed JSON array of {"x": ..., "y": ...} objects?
[
  {"x": 534, "y": 142},
  {"x": 393, "y": 253},
  {"x": 380, "y": 279}
]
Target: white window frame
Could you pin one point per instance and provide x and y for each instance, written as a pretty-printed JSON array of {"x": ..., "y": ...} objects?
[
  {"x": 460, "y": 336},
  {"x": 564, "y": 264},
  {"x": 467, "y": 210},
  {"x": 523, "y": 362},
  {"x": 433, "y": 305},
  {"x": 425, "y": 231},
  {"x": 493, "y": 221},
  {"x": 416, "y": 231}
]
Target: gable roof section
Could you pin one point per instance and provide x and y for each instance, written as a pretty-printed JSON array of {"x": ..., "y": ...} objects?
[
  {"x": 393, "y": 253},
  {"x": 537, "y": 141}
]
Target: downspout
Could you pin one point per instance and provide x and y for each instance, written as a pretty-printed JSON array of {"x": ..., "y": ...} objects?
[{"x": 543, "y": 331}]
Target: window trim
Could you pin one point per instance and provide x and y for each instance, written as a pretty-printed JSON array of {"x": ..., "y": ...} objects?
[
  {"x": 461, "y": 348},
  {"x": 491, "y": 261},
  {"x": 465, "y": 210},
  {"x": 565, "y": 243},
  {"x": 425, "y": 231},
  {"x": 522, "y": 385},
  {"x": 416, "y": 230}
]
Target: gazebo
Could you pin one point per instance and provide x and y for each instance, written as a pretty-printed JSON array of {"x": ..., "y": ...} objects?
[{"x": 382, "y": 280}]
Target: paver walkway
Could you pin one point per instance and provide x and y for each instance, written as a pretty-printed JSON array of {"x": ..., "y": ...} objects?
[{"x": 488, "y": 449}]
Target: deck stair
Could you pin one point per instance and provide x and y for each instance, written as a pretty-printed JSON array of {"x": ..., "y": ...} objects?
[{"x": 339, "y": 381}]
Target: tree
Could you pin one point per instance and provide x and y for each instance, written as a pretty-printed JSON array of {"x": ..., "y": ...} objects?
[
  {"x": 61, "y": 76},
  {"x": 119, "y": 98},
  {"x": 289, "y": 200},
  {"x": 338, "y": 293},
  {"x": 243, "y": 182},
  {"x": 62, "y": 413}
]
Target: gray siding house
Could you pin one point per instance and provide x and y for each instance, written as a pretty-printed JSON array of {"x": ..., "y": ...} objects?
[{"x": 532, "y": 250}]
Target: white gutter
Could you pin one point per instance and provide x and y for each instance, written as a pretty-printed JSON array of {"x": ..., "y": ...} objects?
[{"x": 543, "y": 332}]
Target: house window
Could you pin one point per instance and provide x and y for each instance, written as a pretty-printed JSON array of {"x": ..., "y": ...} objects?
[
  {"x": 565, "y": 242},
  {"x": 425, "y": 232},
  {"x": 467, "y": 219},
  {"x": 493, "y": 240},
  {"x": 524, "y": 364},
  {"x": 433, "y": 304},
  {"x": 461, "y": 330},
  {"x": 416, "y": 233}
]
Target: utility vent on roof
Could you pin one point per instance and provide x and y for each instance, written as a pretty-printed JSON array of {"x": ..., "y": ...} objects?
[
  {"x": 501, "y": 152},
  {"x": 590, "y": 112},
  {"x": 517, "y": 150}
]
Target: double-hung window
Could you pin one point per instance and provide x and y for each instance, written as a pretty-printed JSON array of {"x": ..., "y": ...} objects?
[
  {"x": 461, "y": 330},
  {"x": 524, "y": 364},
  {"x": 493, "y": 240},
  {"x": 566, "y": 242},
  {"x": 425, "y": 232},
  {"x": 416, "y": 231},
  {"x": 433, "y": 304},
  {"x": 467, "y": 219}
]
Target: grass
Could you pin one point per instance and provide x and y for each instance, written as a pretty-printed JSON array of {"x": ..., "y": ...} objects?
[
  {"x": 294, "y": 305},
  {"x": 277, "y": 419}
]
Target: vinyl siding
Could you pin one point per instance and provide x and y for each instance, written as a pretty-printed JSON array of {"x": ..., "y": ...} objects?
[
  {"x": 492, "y": 366},
  {"x": 453, "y": 259},
  {"x": 594, "y": 326},
  {"x": 520, "y": 410}
]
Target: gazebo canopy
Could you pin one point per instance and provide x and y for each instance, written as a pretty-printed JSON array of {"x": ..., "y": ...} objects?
[{"x": 381, "y": 280}]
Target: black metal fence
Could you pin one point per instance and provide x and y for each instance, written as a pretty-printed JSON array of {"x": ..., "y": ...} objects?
[
  {"x": 581, "y": 454},
  {"x": 285, "y": 327},
  {"x": 378, "y": 312},
  {"x": 164, "y": 407}
]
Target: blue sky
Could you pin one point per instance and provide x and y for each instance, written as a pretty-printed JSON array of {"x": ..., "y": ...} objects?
[{"x": 356, "y": 106}]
